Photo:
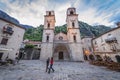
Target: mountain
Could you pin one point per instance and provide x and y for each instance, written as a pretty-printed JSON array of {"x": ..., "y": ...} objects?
[
  {"x": 34, "y": 34},
  {"x": 85, "y": 30},
  {"x": 93, "y": 31},
  {"x": 27, "y": 26},
  {"x": 5, "y": 16}
]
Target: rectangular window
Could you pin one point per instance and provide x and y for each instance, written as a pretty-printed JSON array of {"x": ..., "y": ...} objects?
[
  {"x": 47, "y": 39},
  {"x": 4, "y": 41},
  {"x": 48, "y": 25},
  {"x": 74, "y": 37},
  {"x": 73, "y": 24}
]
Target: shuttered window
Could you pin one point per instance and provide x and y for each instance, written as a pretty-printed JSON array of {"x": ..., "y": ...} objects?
[{"x": 4, "y": 41}]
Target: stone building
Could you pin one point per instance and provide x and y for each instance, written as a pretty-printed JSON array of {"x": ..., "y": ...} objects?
[
  {"x": 11, "y": 36},
  {"x": 108, "y": 44},
  {"x": 87, "y": 47},
  {"x": 62, "y": 46},
  {"x": 30, "y": 53},
  {"x": 36, "y": 44}
]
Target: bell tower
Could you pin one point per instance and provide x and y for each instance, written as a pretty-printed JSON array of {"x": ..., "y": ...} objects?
[
  {"x": 73, "y": 34},
  {"x": 48, "y": 35}
]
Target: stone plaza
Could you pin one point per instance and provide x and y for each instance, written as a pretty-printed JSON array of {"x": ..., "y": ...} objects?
[{"x": 35, "y": 70}]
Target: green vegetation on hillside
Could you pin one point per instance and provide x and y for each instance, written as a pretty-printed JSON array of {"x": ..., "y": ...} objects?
[
  {"x": 59, "y": 29},
  {"x": 35, "y": 34}
]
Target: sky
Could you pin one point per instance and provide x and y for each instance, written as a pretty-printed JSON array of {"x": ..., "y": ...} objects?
[{"x": 93, "y": 12}]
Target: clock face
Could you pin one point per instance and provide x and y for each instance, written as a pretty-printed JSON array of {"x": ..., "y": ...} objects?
[{"x": 60, "y": 38}]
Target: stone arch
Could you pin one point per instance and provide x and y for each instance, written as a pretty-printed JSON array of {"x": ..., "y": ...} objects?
[
  {"x": 99, "y": 58},
  {"x": 107, "y": 58},
  {"x": 91, "y": 57},
  {"x": 117, "y": 58},
  {"x": 61, "y": 52},
  {"x": 85, "y": 57}
]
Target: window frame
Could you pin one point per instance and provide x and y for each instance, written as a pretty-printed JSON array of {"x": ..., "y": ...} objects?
[
  {"x": 73, "y": 24},
  {"x": 74, "y": 38},
  {"x": 48, "y": 25},
  {"x": 47, "y": 38},
  {"x": 4, "y": 41}
]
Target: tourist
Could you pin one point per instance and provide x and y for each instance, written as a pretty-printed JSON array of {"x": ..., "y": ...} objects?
[
  {"x": 51, "y": 65},
  {"x": 47, "y": 63}
]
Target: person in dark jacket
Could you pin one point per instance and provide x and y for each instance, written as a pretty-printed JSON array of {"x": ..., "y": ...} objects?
[
  {"x": 47, "y": 63},
  {"x": 51, "y": 65}
]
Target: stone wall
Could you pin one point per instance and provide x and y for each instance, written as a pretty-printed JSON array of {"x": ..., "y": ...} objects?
[{"x": 14, "y": 40}]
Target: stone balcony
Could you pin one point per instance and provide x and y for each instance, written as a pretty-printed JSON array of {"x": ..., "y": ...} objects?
[
  {"x": 111, "y": 40},
  {"x": 8, "y": 30}
]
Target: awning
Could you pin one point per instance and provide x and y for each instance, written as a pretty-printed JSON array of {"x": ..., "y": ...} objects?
[{"x": 5, "y": 49}]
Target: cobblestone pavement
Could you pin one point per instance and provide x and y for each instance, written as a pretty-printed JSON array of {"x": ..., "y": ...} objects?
[{"x": 35, "y": 70}]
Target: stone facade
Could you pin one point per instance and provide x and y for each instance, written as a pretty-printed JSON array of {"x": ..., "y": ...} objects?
[
  {"x": 48, "y": 35},
  {"x": 62, "y": 46},
  {"x": 30, "y": 53},
  {"x": 36, "y": 44},
  {"x": 11, "y": 37},
  {"x": 108, "y": 44},
  {"x": 87, "y": 47}
]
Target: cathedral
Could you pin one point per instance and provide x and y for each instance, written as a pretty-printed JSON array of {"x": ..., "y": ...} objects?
[{"x": 62, "y": 46}]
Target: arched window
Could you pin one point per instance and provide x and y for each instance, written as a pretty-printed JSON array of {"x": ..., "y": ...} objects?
[
  {"x": 118, "y": 58},
  {"x": 99, "y": 58},
  {"x": 48, "y": 25},
  {"x": 73, "y": 24},
  {"x": 71, "y": 12},
  {"x": 74, "y": 38},
  {"x": 91, "y": 57},
  {"x": 47, "y": 38},
  {"x": 49, "y": 13}
]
